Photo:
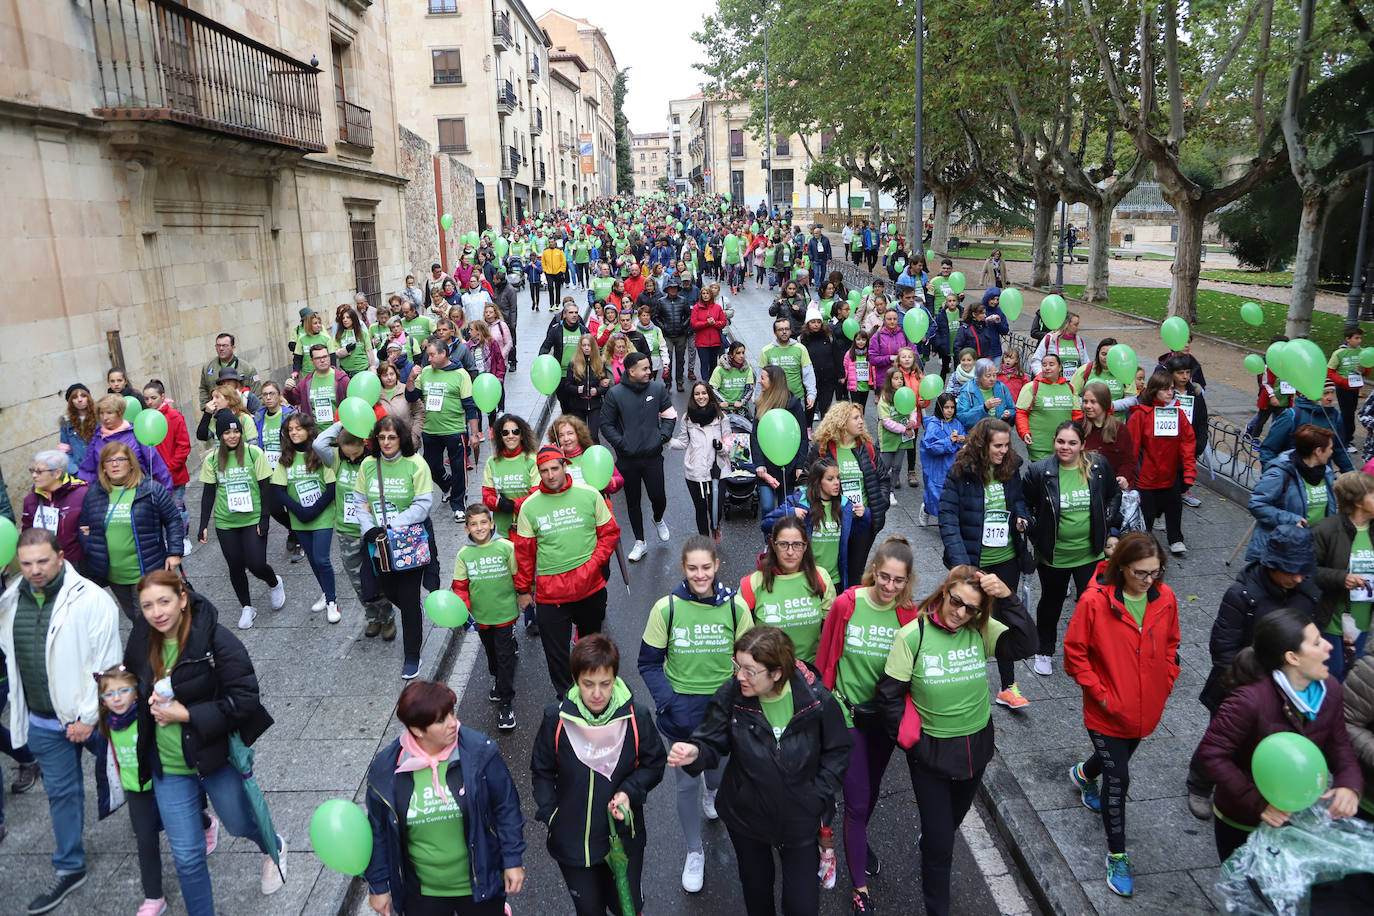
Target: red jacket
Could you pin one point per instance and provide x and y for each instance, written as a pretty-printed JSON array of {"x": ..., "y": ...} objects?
[
  {"x": 1132, "y": 669},
  {"x": 1162, "y": 458},
  {"x": 1023, "y": 416},
  {"x": 707, "y": 335},
  {"x": 575, "y": 584},
  {"x": 832, "y": 633},
  {"x": 633, "y": 287},
  {"x": 175, "y": 447},
  {"x": 1120, "y": 454}
]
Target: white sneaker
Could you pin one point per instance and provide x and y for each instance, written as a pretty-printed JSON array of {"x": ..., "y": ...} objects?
[
  {"x": 662, "y": 530},
  {"x": 319, "y": 603},
  {"x": 892, "y": 499},
  {"x": 694, "y": 871},
  {"x": 186, "y": 547},
  {"x": 246, "y": 617},
  {"x": 925, "y": 517},
  {"x": 708, "y": 802},
  {"x": 1044, "y": 665},
  {"x": 331, "y": 612},
  {"x": 278, "y": 594},
  {"x": 272, "y": 877},
  {"x": 638, "y": 551},
  {"x": 1178, "y": 548}
]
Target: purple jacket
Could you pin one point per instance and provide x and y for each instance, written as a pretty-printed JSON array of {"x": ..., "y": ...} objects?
[
  {"x": 148, "y": 458},
  {"x": 66, "y": 499},
  {"x": 1254, "y": 712},
  {"x": 883, "y": 349}
]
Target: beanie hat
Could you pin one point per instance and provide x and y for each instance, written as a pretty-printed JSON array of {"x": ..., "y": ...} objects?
[
  {"x": 306, "y": 312},
  {"x": 550, "y": 453},
  {"x": 813, "y": 314},
  {"x": 225, "y": 421},
  {"x": 76, "y": 386}
]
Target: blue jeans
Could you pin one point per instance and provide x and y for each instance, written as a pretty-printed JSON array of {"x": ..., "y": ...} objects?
[
  {"x": 179, "y": 497},
  {"x": 435, "y": 444},
  {"x": 22, "y": 755},
  {"x": 65, "y": 786},
  {"x": 1336, "y": 663},
  {"x": 316, "y": 546},
  {"x": 179, "y": 805}
]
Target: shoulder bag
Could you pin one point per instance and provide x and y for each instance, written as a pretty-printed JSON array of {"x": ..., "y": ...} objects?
[{"x": 398, "y": 549}]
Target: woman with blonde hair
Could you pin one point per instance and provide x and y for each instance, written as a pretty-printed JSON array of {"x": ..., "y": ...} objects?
[
  {"x": 842, "y": 437},
  {"x": 225, "y": 397},
  {"x": 584, "y": 384},
  {"x": 571, "y": 434},
  {"x": 113, "y": 427}
]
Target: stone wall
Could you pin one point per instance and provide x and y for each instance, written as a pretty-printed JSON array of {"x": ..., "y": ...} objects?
[
  {"x": 459, "y": 185},
  {"x": 421, "y": 210}
]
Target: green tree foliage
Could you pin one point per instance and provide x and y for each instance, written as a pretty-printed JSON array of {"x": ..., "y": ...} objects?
[
  {"x": 828, "y": 176},
  {"x": 624, "y": 167}
]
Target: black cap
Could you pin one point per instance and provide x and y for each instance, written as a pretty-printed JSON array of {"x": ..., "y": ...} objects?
[{"x": 225, "y": 421}]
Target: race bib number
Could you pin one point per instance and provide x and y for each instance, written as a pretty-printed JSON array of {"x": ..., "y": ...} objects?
[
  {"x": 1356, "y": 380},
  {"x": 1070, "y": 366},
  {"x": 273, "y": 455},
  {"x": 1185, "y": 404},
  {"x": 238, "y": 496},
  {"x": 350, "y": 509},
  {"x": 1285, "y": 388},
  {"x": 434, "y": 402},
  {"x": 1358, "y": 595},
  {"x": 855, "y": 491},
  {"x": 996, "y": 529},
  {"x": 47, "y": 517},
  {"x": 575, "y": 473},
  {"x": 308, "y": 492},
  {"x": 1166, "y": 421},
  {"x": 323, "y": 408}
]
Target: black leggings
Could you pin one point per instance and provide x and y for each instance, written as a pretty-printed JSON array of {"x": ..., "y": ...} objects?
[
  {"x": 1228, "y": 838},
  {"x": 757, "y": 873},
  {"x": 147, "y": 824},
  {"x": 943, "y": 803},
  {"x": 402, "y": 589},
  {"x": 590, "y": 416},
  {"x": 861, "y": 538},
  {"x": 1054, "y": 589},
  {"x": 1167, "y": 502},
  {"x": 650, "y": 472},
  {"x": 706, "y": 500},
  {"x": 554, "y": 284},
  {"x": 825, "y": 394},
  {"x": 422, "y": 905},
  {"x": 1110, "y": 760},
  {"x": 593, "y": 889},
  {"x": 583, "y": 272},
  {"x": 245, "y": 551},
  {"x": 1010, "y": 574},
  {"x": 871, "y": 258}
]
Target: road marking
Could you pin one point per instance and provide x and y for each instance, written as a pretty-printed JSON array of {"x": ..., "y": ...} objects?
[
  {"x": 462, "y": 666},
  {"x": 999, "y": 879}
]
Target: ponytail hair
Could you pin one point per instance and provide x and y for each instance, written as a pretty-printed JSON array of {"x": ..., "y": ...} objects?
[{"x": 1276, "y": 634}]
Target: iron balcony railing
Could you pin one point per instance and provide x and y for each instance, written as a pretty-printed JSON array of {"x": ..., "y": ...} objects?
[
  {"x": 510, "y": 161},
  {"x": 533, "y": 70},
  {"x": 160, "y": 61},
  {"x": 501, "y": 32},
  {"x": 537, "y": 123},
  {"x": 355, "y": 125},
  {"x": 539, "y": 176},
  {"x": 564, "y": 141},
  {"x": 505, "y": 95}
]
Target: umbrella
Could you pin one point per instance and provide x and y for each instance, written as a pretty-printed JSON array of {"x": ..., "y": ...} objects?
[
  {"x": 624, "y": 570},
  {"x": 619, "y": 862},
  {"x": 241, "y": 758}
]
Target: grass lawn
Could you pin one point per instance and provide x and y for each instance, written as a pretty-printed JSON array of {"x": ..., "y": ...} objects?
[
  {"x": 1023, "y": 253},
  {"x": 1219, "y": 315},
  {"x": 1276, "y": 277}
]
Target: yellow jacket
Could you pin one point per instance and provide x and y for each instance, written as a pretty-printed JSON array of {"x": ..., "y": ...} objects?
[{"x": 553, "y": 260}]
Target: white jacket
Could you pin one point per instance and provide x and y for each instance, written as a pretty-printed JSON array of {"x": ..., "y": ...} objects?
[
  {"x": 699, "y": 443},
  {"x": 83, "y": 638}
]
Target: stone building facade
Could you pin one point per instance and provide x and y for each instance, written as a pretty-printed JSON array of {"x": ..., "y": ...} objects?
[
  {"x": 721, "y": 145},
  {"x": 649, "y": 154},
  {"x": 571, "y": 35}
]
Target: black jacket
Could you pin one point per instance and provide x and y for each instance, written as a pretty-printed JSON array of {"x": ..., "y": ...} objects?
[
  {"x": 824, "y": 359},
  {"x": 786, "y": 475},
  {"x": 630, "y": 419},
  {"x": 794, "y": 310},
  {"x": 1041, "y": 487},
  {"x": 1253, "y": 595},
  {"x": 213, "y": 678},
  {"x": 777, "y": 791},
  {"x": 584, "y": 393},
  {"x": 877, "y": 485},
  {"x": 157, "y": 527},
  {"x": 673, "y": 315},
  {"x": 961, "y": 515},
  {"x": 553, "y": 338},
  {"x": 572, "y": 801}
]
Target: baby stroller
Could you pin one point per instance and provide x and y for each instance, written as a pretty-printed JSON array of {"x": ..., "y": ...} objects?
[{"x": 740, "y": 488}]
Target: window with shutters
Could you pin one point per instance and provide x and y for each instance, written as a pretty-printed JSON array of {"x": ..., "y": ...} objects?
[
  {"x": 737, "y": 144},
  {"x": 364, "y": 234},
  {"x": 447, "y": 68},
  {"x": 453, "y": 135}
]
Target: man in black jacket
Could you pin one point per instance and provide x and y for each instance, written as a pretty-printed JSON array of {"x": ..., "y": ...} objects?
[
  {"x": 672, "y": 314},
  {"x": 509, "y": 310},
  {"x": 637, "y": 418}
]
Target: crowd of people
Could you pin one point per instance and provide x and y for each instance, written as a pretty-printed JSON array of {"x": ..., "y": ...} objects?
[{"x": 774, "y": 698}]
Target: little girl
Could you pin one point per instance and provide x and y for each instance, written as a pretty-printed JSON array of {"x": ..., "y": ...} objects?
[
  {"x": 963, "y": 373},
  {"x": 895, "y": 432},
  {"x": 1011, "y": 374},
  {"x": 910, "y": 367},
  {"x": 941, "y": 441},
  {"x": 858, "y": 371}
]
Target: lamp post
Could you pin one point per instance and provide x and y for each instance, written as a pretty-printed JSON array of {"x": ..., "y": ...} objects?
[
  {"x": 1059, "y": 271},
  {"x": 1352, "y": 299},
  {"x": 918, "y": 191},
  {"x": 767, "y": 118}
]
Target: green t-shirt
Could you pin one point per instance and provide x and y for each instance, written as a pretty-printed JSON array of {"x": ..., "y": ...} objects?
[
  {"x": 307, "y": 488},
  {"x": 792, "y": 607},
  {"x": 404, "y": 478},
  {"x": 601, "y": 287},
  {"x": 510, "y": 477},
  {"x": 769, "y": 254},
  {"x": 947, "y": 673},
  {"x": 732, "y": 382},
  {"x": 868, "y": 639},
  {"x": 490, "y": 572},
  {"x": 571, "y": 337},
  {"x": 1316, "y": 502},
  {"x": 1346, "y": 362},
  {"x": 778, "y": 710},
  {"x": 1361, "y": 564},
  {"x": 861, "y": 370},
  {"x": 996, "y": 540},
  {"x": 322, "y": 397},
  {"x": 791, "y": 359},
  {"x": 357, "y": 360},
  {"x": 580, "y": 251},
  {"x": 271, "y": 436},
  {"x": 435, "y": 841},
  {"x": 1136, "y": 606},
  {"x": 444, "y": 390},
  {"x": 701, "y": 647},
  {"x": 119, "y": 537},
  {"x": 825, "y": 544},
  {"x": 888, "y": 441},
  {"x": 1074, "y": 545},
  {"x": 238, "y": 501},
  {"x": 825, "y": 306},
  {"x": 125, "y": 744},
  {"x": 1047, "y": 406},
  {"x": 169, "y": 736},
  {"x": 1070, "y": 355},
  {"x": 305, "y": 341},
  {"x": 346, "y": 500},
  {"x": 851, "y": 477},
  {"x": 1086, "y": 376},
  {"x": 565, "y": 524},
  {"x": 419, "y": 329}
]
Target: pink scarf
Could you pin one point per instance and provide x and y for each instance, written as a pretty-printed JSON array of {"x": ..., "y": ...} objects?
[{"x": 413, "y": 758}]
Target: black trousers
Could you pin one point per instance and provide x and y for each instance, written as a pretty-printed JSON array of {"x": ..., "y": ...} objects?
[
  {"x": 943, "y": 803},
  {"x": 1348, "y": 399},
  {"x": 677, "y": 353},
  {"x": 648, "y": 471},
  {"x": 1167, "y": 502},
  {"x": 245, "y": 551},
  {"x": 1228, "y": 838},
  {"x": 706, "y": 501},
  {"x": 590, "y": 416},
  {"x": 402, "y": 589},
  {"x": 147, "y": 825},
  {"x": 1010, "y": 574},
  {"x": 421, "y": 905},
  {"x": 554, "y": 284},
  {"x": 757, "y": 876},
  {"x": 1111, "y": 760},
  {"x": 556, "y": 622},
  {"x": 706, "y": 359},
  {"x": 1054, "y": 590},
  {"x": 861, "y": 537},
  {"x": 825, "y": 394},
  {"x": 583, "y": 272},
  {"x": 593, "y": 889},
  {"x": 499, "y": 644},
  {"x": 870, "y": 257}
]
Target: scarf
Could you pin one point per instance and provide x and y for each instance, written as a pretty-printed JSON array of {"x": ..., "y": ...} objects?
[
  {"x": 118, "y": 721},
  {"x": 1308, "y": 701},
  {"x": 413, "y": 758},
  {"x": 1313, "y": 474},
  {"x": 512, "y": 452},
  {"x": 620, "y": 695},
  {"x": 703, "y": 416},
  {"x": 962, "y": 376}
]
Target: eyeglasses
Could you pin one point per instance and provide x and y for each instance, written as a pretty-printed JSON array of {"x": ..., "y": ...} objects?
[
  {"x": 117, "y": 693},
  {"x": 1146, "y": 575},
  {"x": 895, "y": 581},
  {"x": 39, "y": 472},
  {"x": 790, "y": 545},
  {"x": 748, "y": 672},
  {"x": 510, "y": 432},
  {"x": 122, "y": 459},
  {"x": 957, "y": 602},
  {"x": 388, "y": 437}
]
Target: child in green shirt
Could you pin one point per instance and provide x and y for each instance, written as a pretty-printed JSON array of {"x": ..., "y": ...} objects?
[{"x": 484, "y": 577}]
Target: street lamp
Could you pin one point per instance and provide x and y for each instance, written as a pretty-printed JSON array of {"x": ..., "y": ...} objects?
[
  {"x": 767, "y": 119},
  {"x": 1352, "y": 299},
  {"x": 918, "y": 193}
]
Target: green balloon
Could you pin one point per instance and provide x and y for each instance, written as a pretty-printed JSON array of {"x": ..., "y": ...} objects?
[
  {"x": 9, "y": 540},
  {"x": 486, "y": 392},
  {"x": 915, "y": 324},
  {"x": 1122, "y": 363},
  {"x": 131, "y": 408},
  {"x": 546, "y": 374},
  {"x": 1305, "y": 365},
  {"x": 1251, "y": 313},
  {"x": 1273, "y": 357},
  {"x": 930, "y": 256},
  {"x": 446, "y": 609},
  {"x": 957, "y": 281},
  {"x": 904, "y": 401},
  {"x": 779, "y": 436},
  {"x": 597, "y": 467},
  {"x": 150, "y": 427},
  {"x": 931, "y": 386},
  {"x": 500, "y": 247},
  {"x": 1010, "y": 302},
  {"x": 1367, "y": 357},
  {"x": 868, "y": 290},
  {"x": 1175, "y": 333},
  {"x": 358, "y": 417},
  {"x": 854, "y": 298},
  {"x": 365, "y": 386},
  {"x": 891, "y": 228},
  {"x": 1254, "y": 363},
  {"x": 850, "y": 327},
  {"x": 1053, "y": 311},
  {"x": 341, "y": 836},
  {"x": 1289, "y": 771},
  {"x": 446, "y": 221}
]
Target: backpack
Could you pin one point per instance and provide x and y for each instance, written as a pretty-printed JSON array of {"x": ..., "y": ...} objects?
[{"x": 1038, "y": 329}]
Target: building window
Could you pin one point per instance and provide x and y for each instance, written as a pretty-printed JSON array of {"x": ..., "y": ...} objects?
[
  {"x": 447, "y": 68},
  {"x": 784, "y": 146},
  {"x": 654, "y": 170},
  {"x": 641, "y": 157},
  {"x": 737, "y": 144},
  {"x": 675, "y": 120},
  {"x": 827, "y": 141},
  {"x": 364, "y": 233},
  {"x": 737, "y": 185},
  {"x": 443, "y": 6},
  {"x": 453, "y": 135}
]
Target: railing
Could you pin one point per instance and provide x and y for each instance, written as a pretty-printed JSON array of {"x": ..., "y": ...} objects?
[
  {"x": 501, "y": 29},
  {"x": 537, "y": 123},
  {"x": 505, "y": 95},
  {"x": 510, "y": 161},
  {"x": 355, "y": 125},
  {"x": 564, "y": 140},
  {"x": 1231, "y": 453},
  {"x": 159, "y": 61},
  {"x": 533, "y": 71},
  {"x": 539, "y": 175}
]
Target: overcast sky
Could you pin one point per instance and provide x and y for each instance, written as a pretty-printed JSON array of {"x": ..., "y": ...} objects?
[{"x": 654, "y": 41}]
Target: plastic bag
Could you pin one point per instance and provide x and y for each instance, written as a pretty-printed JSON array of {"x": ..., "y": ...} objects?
[
  {"x": 1131, "y": 518},
  {"x": 1274, "y": 871}
]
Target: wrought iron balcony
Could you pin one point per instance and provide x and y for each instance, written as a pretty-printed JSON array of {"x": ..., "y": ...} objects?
[
  {"x": 160, "y": 61},
  {"x": 510, "y": 161},
  {"x": 539, "y": 174},
  {"x": 564, "y": 141},
  {"x": 532, "y": 72},
  {"x": 537, "y": 123},
  {"x": 355, "y": 125},
  {"x": 502, "y": 36},
  {"x": 505, "y": 97}
]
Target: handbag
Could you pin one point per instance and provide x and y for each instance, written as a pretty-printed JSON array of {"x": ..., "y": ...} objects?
[{"x": 398, "y": 549}]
